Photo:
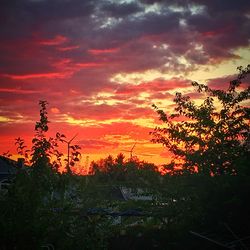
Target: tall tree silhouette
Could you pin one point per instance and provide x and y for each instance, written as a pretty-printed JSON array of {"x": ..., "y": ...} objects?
[
  {"x": 213, "y": 137},
  {"x": 41, "y": 146}
]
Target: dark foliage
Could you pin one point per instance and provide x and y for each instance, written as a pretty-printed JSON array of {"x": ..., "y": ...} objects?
[{"x": 213, "y": 137}]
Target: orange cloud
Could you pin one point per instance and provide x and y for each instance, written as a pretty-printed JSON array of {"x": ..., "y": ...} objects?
[{"x": 55, "y": 110}]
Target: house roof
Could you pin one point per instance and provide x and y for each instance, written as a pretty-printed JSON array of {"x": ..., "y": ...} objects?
[
  {"x": 8, "y": 167},
  {"x": 110, "y": 193}
]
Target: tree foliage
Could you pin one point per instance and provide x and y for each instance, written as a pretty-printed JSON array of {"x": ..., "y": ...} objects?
[
  {"x": 44, "y": 208},
  {"x": 213, "y": 137},
  {"x": 126, "y": 172},
  {"x": 41, "y": 145},
  {"x": 45, "y": 151}
]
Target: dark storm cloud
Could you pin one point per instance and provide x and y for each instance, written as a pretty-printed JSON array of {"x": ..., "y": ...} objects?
[
  {"x": 212, "y": 5},
  {"x": 90, "y": 24},
  {"x": 220, "y": 26},
  {"x": 134, "y": 28},
  {"x": 215, "y": 6},
  {"x": 24, "y": 12},
  {"x": 221, "y": 30},
  {"x": 121, "y": 10}
]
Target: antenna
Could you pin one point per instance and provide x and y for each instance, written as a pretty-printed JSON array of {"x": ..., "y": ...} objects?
[{"x": 68, "y": 143}]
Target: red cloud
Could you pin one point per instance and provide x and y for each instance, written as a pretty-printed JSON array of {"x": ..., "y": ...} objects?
[
  {"x": 89, "y": 65},
  {"x": 32, "y": 76},
  {"x": 103, "y": 51},
  {"x": 19, "y": 91},
  {"x": 58, "y": 40},
  {"x": 68, "y": 48},
  {"x": 223, "y": 82}
]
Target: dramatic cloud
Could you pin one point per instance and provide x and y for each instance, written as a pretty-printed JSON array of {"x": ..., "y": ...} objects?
[{"x": 101, "y": 64}]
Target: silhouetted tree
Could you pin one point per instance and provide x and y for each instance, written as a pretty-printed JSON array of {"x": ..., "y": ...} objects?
[
  {"x": 212, "y": 137},
  {"x": 22, "y": 149},
  {"x": 45, "y": 152},
  {"x": 41, "y": 145},
  {"x": 129, "y": 172},
  {"x": 41, "y": 208}
]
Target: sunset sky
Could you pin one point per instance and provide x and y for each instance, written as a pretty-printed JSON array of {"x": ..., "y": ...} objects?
[{"x": 101, "y": 65}]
